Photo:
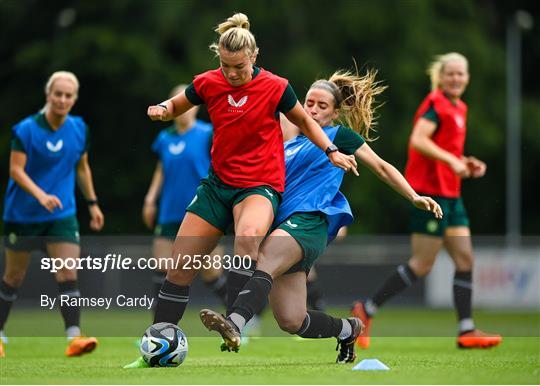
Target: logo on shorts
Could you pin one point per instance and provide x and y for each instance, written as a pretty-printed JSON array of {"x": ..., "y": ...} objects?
[
  {"x": 244, "y": 292},
  {"x": 234, "y": 103},
  {"x": 269, "y": 192},
  {"x": 432, "y": 226},
  {"x": 193, "y": 201},
  {"x": 55, "y": 148},
  {"x": 77, "y": 236},
  {"x": 178, "y": 148},
  {"x": 290, "y": 224},
  {"x": 12, "y": 238}
]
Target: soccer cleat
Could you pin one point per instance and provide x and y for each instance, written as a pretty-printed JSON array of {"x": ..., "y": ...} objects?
[
  {"x": 81, "y": 345},
  {"x": 478, "y": 339},
  {"x": 228, "y": 331},
  {"x": 139, "y": 363},
  {"x": 358, "y": 310},
  {"x": 346, "y": 346},
  {"x": 2, "y": 353}
]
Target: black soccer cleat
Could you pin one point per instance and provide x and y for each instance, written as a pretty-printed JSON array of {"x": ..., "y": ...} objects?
[
  {"x": 227, "y": 329},
  {"x": 346, "y": 346}
]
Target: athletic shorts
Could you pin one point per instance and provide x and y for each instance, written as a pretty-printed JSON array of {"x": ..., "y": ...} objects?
[
  {"x": 214, "y": 200},
  {"x": 310, "y": 230},
  {"x": 454, "y": 214},
  {"x": 34, "y": 236},
  {"x": 167, "y": 230}
]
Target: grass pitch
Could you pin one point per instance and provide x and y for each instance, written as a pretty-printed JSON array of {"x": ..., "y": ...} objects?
[{"x": 280, "y": 359}]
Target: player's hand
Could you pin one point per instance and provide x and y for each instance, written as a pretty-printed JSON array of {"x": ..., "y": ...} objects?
[
  {"x": 97, "y": 220},
  {"x": 149, "y": 211},
  {"x": 50, "y": 202},
  {"x": 476, "y": 167},
  {"x": 428, "y": 204},
  {"x": 345, "y": 162},
  {"x": 460, "y": 168},
  {"x": 158, "y": 113}
]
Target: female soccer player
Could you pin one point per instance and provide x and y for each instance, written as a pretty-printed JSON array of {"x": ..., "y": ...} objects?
[
  {"x": 247, "y": 172},
  {"x": 49, "y": 151},
  {"x": 312, "y": 212},
  {"x": 184, "y": 158},
  {"x": 436, "y": 166}
]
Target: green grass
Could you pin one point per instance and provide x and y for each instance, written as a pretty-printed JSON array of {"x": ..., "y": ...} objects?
[{"x": 282, "y": 359}]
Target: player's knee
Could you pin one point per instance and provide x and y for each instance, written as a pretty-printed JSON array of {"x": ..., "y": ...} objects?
[
  {"x": 465, "y": 262},
  {"x": 291, "y": 323},
  {"x": 14, "y": 278},
  {"x": 421, "y": 267},
  {"x": 66, "y": 275}
]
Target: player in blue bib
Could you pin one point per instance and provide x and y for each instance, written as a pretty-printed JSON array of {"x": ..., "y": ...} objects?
[
  {"x": 183, "y": 151},
  {"x": 48, "y": 152},
  {"x": 310, "y": 216}
]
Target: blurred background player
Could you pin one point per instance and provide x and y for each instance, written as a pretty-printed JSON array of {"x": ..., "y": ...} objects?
[
  {"x": 312, "y": 212},
  {"x": 184, "y": 159},
  {"x": 435, "y": 166},
  {"x": 49, "y": 152}
]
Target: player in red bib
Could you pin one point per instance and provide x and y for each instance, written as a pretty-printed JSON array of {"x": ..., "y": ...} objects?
[
  {"x": 435, "y": 167},
  {"x": 247, "y": 171}
]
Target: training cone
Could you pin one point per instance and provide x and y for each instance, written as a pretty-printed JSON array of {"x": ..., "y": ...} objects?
[{"x": 370, "y": 364}]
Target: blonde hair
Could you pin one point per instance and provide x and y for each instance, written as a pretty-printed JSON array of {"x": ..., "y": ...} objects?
[
  {"x": 235, "y": 36},
  {"x": 436, "y": 67},
  {"x": 354, "y": 96},
  {"x": 61, "y": 75},
  {"x": 53, "y": 78}
]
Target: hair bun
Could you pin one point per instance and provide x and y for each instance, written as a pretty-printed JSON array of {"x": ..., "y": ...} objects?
[{"x": 238, "y": 20}]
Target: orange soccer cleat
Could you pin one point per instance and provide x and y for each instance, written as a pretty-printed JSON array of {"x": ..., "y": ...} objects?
[
  {"x": 478, "y": 339},
  {"x": 81, "y": 345},
  {"x": 358, "y": 310}
]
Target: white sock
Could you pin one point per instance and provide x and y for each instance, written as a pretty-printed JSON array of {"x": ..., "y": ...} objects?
[
  {"x": 238, "y": 320},
  {"x": 346, "y": 330},
  {"x": 73, "y": 332},
  {"x": 466, "y": 325},
  {"x": 371, "y": 308}
]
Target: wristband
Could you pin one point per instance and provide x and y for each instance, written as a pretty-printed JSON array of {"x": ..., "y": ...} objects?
[
  {"x": 163, "y": 105},
  {"x": 92, "y": 202}
]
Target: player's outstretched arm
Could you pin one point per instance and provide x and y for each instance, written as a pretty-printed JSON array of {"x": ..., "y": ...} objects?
[{"x": 392, "y": 177}]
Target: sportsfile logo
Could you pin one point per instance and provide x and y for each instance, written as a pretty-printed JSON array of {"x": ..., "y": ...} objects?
[{"x": 236, "y": 105}]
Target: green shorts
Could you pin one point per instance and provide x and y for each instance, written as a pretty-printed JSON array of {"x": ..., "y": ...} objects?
[
  {"x": 33, "y": 236},
  {"x": 214, "y": 200},
  {"x": 310, "y": 230},
  {"x": 168, "y": 230},
  {"x": 454, "y": 214}
]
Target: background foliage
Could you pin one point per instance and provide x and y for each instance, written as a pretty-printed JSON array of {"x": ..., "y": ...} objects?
[{"x": 129, "y": 54}]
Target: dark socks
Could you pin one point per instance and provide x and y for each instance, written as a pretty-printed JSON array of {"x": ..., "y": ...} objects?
[
  {"x": 320, "y": 325},
  {"x": 403, "y": 277},
  {"x": 171, "y": 303},
  {"x": 71, "y": 314},
  {"x": 157, "y": 280},
  {"x": 463, "y": 300},
  {"x": 236, "y": 280},
  {"x": 8, "y": 295},
  {"x": 252, "y": 299}
]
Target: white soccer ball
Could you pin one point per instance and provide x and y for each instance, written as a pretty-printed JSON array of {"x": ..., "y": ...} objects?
[{"x": 164, "y": 345}]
